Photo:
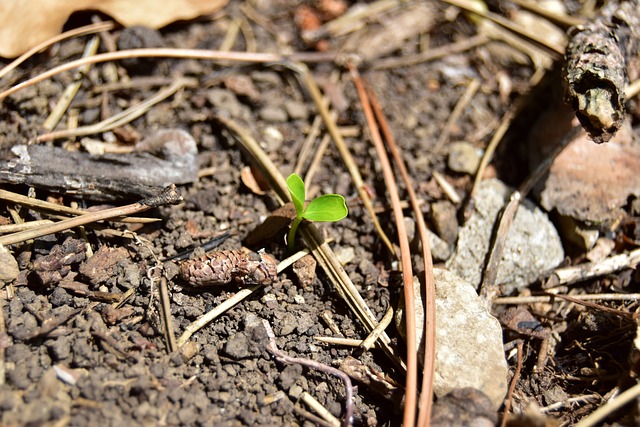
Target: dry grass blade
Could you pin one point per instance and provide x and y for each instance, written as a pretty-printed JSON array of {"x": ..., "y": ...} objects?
[
  {"x": 119, "y": 119},
  {"x": 72, "y": 89},
  {"x": 611, "y": 406},
  {"x": 431, "y": 54},
  {"x": 209, "y": 55},
  {"x": 167, "y": 319},
  {"x": 411, "y": 386},
  {"x": 502, "y": 128},
  {"x": 426, "y": 396},
  {"x": 320, "y": 249},
  {"x": 590, "y": 270},
  {"x": 43, "y": 206},
  {"x": 466, "y": 97},
  {"x": 565, "y": 21},
  {"x": 488, "y": 288},
  {"x": 550, "y": 296},
  {"x": 556, "y": 51},
  {"x": 206, "y": 318},
  {"x": 350, "y": 163},
  {"x": 169, "y": 196},
  {"x": 82, "y": 31}
]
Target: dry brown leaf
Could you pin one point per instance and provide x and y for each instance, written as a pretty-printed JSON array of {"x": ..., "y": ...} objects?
[{"x": 23, "y": 25}]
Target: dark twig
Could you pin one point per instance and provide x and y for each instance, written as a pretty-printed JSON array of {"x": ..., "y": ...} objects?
[
  {"x": 282, "y": 357},
  {"x": 512, "y": 386}
]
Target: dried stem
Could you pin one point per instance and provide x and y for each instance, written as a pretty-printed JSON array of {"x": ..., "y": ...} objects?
[
  {"x": 169, "y": 196},
  {"x": 210, "y": 55},
  {"x": 44, "y": 206},
  {"x": 273, "y": 349},
  {"x": 512, "y": 386}
]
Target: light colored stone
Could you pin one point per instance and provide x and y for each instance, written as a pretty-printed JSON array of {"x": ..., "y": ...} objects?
[
  {"x": 8, "y": 266},
  {"x": 469, "y": 350},
  {"x": 531, "y": 249},
  {"x": 464, "y": 157}
]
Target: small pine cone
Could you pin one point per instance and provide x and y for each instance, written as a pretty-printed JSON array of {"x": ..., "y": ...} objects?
[{"x": 222, "y": 267}]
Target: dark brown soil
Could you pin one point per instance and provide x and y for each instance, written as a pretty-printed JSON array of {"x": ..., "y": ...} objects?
[{"x": 106, "y": 364}]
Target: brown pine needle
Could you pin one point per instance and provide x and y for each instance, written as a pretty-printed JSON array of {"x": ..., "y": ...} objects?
[
  {"x": 426, "y": 395},
  {"x": 411, "y": 384}
]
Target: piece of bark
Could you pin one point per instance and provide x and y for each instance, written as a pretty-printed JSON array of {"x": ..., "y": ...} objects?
[
  {"x": 109, "y": 176},
  {"x": 600, "y": 58}
]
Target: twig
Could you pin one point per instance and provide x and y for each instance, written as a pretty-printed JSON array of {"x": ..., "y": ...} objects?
[
  {"x": 426, "y": 395},
  {"x": 82, "y": 31},
  {"x": 555, "y": 50},
  {"x": 165, "y": 309},
  {"x": 4, "y": 342},
  {"x": 209, "y": 316},
  {"x": 549, "y": 297},
  {"x": 44, "y": 206},
  {"x": 564, "y": 403},
  {"x": 502, "y": 128},
  {"x": 317, "y": 158},
  {"x": 447, "y": 188},
  {"x": 411, "y": 405},
  {"x": 170, "y": 195},
  {"x": 313, "y": 403},
  {"x": 582, "y": 272},
  {"x": 346, "y": 155},
  {"x": 611, "y": 406},
  {"x": 368, "y": 342},
  {"x": 210, "y": 55},
  {"x": 488, "y": 288},
  {"x": 464, "y": 100},
  {"x": 615, "y": 312},
  {"x": 350, "y": 342},
  {"x": 512, "y": 386},
  {"x": 565, "y": 21},
  {"x": 116, "y": 120},
  {"x": 273, "y": 349},
  {"x": 432, "y": 54},
  {"x": 311, "y": 417},
  {"x": 13, "y": 228}
]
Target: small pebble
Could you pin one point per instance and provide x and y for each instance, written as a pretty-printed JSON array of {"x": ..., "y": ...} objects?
[
  {"x": 273, "y": 114},
  {"x": 464, "y": 157}
]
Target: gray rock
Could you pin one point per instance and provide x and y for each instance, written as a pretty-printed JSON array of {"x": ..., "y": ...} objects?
[
  {"x": 296, "y": 110},
  {"x": 273, "y": 114},
  {"x": 444, "y": 217},
  {"x": 8, "y": 266},
  {"x": 468, "y": 341},
  {"x": 469, "y": 351},
  {"x": 464, "y": 157},
  {"x": 532, "y": 247}
]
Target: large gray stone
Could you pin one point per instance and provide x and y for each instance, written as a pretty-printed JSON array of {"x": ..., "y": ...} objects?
[
  {"x": 532, "y": 247},
  {"x": 469, "y": 349}
]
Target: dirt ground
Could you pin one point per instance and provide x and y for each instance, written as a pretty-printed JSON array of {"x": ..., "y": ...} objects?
[{"x": 73, "y": 357}]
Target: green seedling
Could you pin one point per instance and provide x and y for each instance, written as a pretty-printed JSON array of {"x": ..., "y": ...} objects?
[{"x": 325, "y": 208}]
